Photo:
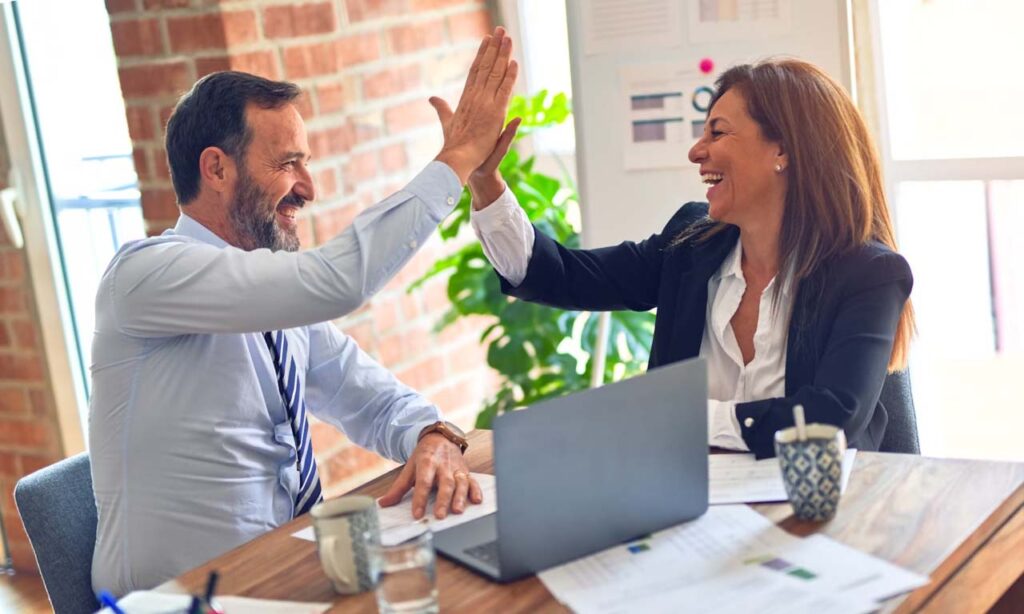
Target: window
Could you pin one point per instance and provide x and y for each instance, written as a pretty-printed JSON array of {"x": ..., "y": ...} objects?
[{"x": 955, "y": 163}]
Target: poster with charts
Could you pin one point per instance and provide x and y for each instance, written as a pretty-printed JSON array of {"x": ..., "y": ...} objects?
[
  {"x": 665, "y": 104},
  {"x": 712, "y": 21},
  {"x": 621, "y": 26}
]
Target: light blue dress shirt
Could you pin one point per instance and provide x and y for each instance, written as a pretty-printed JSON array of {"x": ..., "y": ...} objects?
[{"x": 192, "y": 452}]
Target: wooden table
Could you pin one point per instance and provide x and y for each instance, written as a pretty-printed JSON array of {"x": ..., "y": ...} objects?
[{"x": 959, "y": 522}]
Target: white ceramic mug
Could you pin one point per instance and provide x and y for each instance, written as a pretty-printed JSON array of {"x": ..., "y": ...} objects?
[{"x": 343, "y": 527}]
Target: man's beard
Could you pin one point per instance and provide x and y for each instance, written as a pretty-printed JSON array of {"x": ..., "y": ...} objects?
[{"x": 254, "y": 218}]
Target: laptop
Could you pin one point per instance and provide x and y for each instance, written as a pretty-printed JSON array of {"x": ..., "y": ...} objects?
[{"x": 590, "y": 470}]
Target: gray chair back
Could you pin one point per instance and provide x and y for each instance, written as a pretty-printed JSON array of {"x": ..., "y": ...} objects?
[
  {"x": 58, "y": 509},
  {"x": 898, "y": 400}
]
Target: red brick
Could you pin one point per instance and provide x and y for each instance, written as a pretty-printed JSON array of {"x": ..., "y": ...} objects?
[
  {"x": 25, "y": 368},
  {"x": 121, "y": 6},
  {"x": 395, "y": 349},
  {"x": 385, "y": 316},
  {"x": 159, "y": 204},
  {"x": 450, "y": 68},
  {"x": 12, "y": 300},
  {"x": 301, "y": 61},
  {"x": 391, "y": 81},
  {"x": 467, "y": 358},
  {"x": 435, "y": 295},
  {"x": 137, "y": 37},
  {"x": 393, "y": 159},
  {"x": 473, "y": 25},
  {"x": 212, "y": 64},
  {"x": 154, "y": 79},
  {"x": 424, "y": 374},
  {"x": 25, "y": 334},
  {"x": 13, "y": 401},
  {"x": 349, "y": 461},
  {"x": 363, "y": 335},
  {"x": 25, "y": 433},
  {"x": 9, "y": 467},
  {"x": 165, "y": 4},
  {"x": 325, "y": 437},
  {"x": 360, "y": 167},
  {"x": 140, "y": 123},
  {"x": 298, "y": 20},
  {"x": 414, "y": 37},
  {"x": 142, "y": 168},
  {"x": 304, "y": 105},
  {"x": 366, "y": 127},
  {"x": 212, "y": 30},
  {"x": 358, "y": 49},
  {"x": 330, "y": 222},
  {"x": 428, "y": 5},
  {"x": 332, "y": 97},
  {"x": 160, "y": 169},
  {"x": 326, "y": 183},
  {"x": 30, "y": 463},
  {"x": 362, "y": 10},
  {"x": 41, "y": 402},
  {"x": 409, "y": 115},
  {"x": 13, "y": 266},
  {"x": 5, "y": 336}
]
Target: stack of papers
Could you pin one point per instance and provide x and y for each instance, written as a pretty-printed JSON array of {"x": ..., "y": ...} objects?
[
  {"x": 732, "y": 559},
  {"x": 738, "y": 478},
  {"x": 397, "y": 524}
]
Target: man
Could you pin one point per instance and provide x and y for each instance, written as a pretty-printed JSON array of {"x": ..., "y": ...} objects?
[{"x": 213, "y": 341}]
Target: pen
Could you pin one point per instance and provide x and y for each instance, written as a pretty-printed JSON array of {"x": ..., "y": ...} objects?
[
  {"x": 109, "y": 601},
  {"x": 211, "y": 585}
]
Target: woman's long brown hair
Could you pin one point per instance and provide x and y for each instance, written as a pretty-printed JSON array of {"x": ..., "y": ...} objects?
[{"x": 835, "y": 198}]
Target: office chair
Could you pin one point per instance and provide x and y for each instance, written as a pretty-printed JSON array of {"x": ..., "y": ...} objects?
[
  {"x": 898, "y": 400},
  {"x": 58, "y": 509}
]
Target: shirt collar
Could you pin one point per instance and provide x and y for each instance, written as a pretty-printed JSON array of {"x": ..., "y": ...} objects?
[
  {"x": 732, "y": 267},
  {"x": 188, "y": 227}
]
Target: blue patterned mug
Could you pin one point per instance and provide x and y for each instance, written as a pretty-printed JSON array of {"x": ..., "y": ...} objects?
[
  {"x": 344, "y": 527},
  {"x": 812, "y": 469}
]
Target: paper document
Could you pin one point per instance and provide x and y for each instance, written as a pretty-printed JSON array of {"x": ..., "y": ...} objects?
[
  {"x": 151, "y": 602},
  {"x": 732, "y": 559},
  {"x": 397, "y": 524},
  {"x": 738, "y": 478}
]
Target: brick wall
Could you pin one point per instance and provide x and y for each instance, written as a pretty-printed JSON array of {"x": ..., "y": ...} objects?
[
  {"x": 366, "y": 68},
  {"x": 29, "y": 438}
]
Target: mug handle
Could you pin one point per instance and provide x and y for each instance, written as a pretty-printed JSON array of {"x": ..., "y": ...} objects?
[{"x": 327, "y": 546}]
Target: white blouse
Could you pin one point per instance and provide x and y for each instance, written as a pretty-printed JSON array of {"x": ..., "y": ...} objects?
[{"x": 507, "y": 238}]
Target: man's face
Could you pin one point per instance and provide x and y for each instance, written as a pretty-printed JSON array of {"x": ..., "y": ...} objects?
[{"x": 273, "y": 182}]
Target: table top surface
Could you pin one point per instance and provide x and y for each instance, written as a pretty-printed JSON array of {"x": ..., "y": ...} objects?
[{"x": 928, "y": 515}]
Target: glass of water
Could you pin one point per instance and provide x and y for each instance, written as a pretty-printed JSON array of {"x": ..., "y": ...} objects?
[{"x": 405, "y": 575}]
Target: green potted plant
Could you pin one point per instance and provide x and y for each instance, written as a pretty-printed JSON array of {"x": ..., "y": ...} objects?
[{"x": 540, "y": 352}]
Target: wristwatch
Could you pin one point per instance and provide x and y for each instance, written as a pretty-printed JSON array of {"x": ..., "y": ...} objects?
[{"x": 447, "y": 430}]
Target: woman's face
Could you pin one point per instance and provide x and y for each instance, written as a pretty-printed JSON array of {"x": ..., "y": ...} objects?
[{"x": 739, "y": 164}]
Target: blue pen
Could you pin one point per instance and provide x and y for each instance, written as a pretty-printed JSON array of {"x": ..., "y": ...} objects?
[{"x": 109, "y": 601}]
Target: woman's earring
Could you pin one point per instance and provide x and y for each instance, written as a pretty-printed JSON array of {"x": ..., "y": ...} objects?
[{"x": 778, "y": 168}]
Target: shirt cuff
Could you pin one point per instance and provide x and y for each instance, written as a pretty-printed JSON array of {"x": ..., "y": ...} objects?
[
  {"x": 438, "y": 186},
  {"x": 723, "y": 426},
  {"x": 411, "y": 437},
  {"x": 496, "y": 214}
]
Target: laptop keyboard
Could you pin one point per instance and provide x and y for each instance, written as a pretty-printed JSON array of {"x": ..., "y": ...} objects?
[{"x": 487, "y": 553}]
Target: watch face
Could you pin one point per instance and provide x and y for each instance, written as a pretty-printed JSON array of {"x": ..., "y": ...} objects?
[{"x": 455, "y": 429}]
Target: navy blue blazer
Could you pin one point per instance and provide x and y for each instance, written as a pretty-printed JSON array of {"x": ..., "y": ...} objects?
[{"x": 840, "y": 334}]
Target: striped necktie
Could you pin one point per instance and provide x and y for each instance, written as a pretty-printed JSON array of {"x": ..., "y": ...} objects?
[{"x": 290, "y": 385}]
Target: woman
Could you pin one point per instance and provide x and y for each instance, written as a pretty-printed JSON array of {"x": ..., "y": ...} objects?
[{"x": 786, "y": 281}]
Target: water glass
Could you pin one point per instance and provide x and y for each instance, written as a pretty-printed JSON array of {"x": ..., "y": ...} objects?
[{"x": 406, "y": 575}]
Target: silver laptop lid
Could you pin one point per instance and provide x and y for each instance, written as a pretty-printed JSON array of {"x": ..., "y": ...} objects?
[{"x": 596, "y": 468}]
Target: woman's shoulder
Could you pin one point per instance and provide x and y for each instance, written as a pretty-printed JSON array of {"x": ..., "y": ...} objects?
[{"x": 874, "y": 262}]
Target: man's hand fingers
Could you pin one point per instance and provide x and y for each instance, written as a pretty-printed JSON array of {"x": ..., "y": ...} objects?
[
  {"x": 475, "y": 66},
  {"x": 483, "y": 71},
  {"x": 501, "y": 65},
  {"x": 444, "y": 112},
  {"x": 445, "y": 490},
  {"x": 399, "y": 487},
  {"x": 476, "y": 494},
  {"x": 505, "y": 89},
  {"x": 461, "y": 492},
  {"x": 421, "y": 492}
]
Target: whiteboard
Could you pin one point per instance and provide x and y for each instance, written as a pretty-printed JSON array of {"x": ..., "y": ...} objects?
[{"x": 619, "y": 204}]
